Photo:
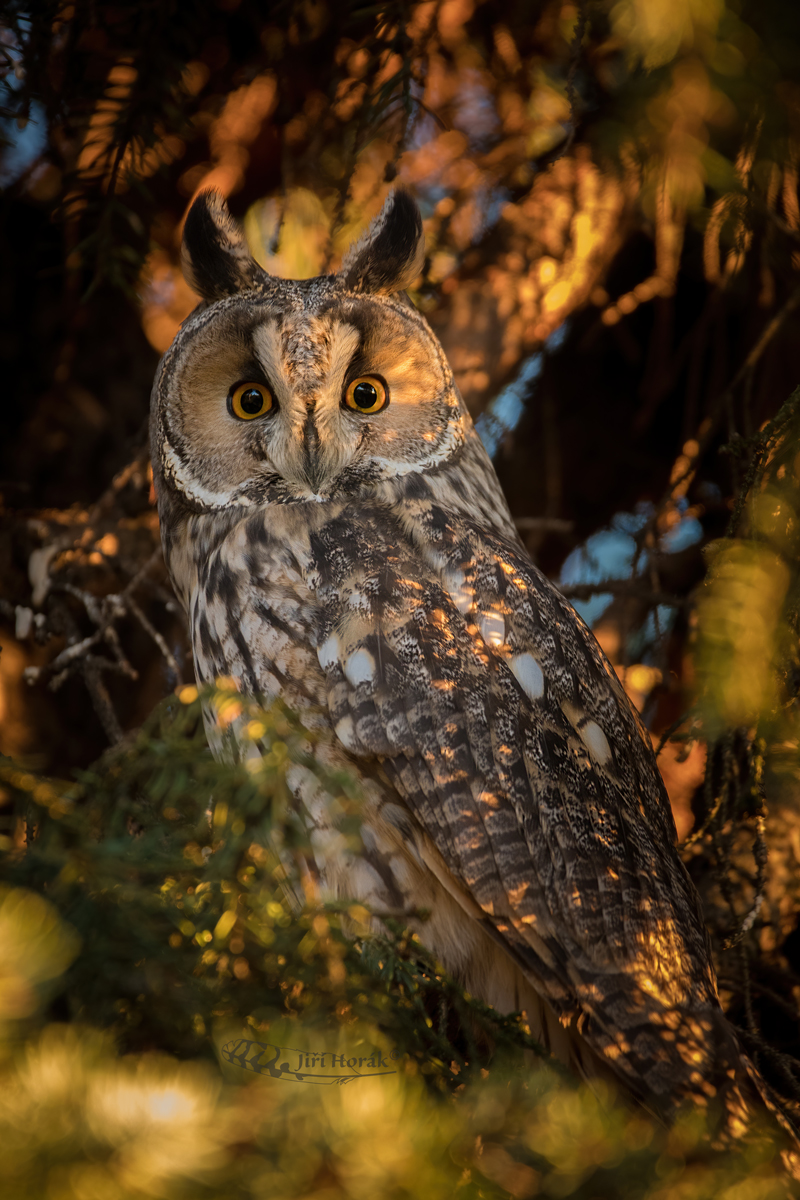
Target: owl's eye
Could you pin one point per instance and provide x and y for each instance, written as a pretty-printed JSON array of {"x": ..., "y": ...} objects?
[
  {"x": 367, "y": 394},
  {"x": 249, "y": 400}
]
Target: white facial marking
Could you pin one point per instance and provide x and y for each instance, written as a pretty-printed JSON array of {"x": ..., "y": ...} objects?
[
  {"x": 360, "y": 667},
  {"x": 452, "y": 440},
  {"x": 596, "y": 742},
  {"x": 186, "y": 483},
  {"x": 493, "y": 629},
  {"x": 529, "y": 675},
  {"x": 459, "y": 591},
  {"x": 329, "y": 652}
]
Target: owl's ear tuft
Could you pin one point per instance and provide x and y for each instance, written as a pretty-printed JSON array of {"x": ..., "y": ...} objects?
[
  {"x": 214, "y": 256},
  {"x": 389, "y": 256}
]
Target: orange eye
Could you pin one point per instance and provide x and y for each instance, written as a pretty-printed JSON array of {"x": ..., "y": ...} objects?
[
  {"x": 249, "y": 400},
  {"x": 367, "y": 394}
]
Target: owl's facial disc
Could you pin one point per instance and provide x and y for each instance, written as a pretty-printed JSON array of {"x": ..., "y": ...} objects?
[
  {"x": 277, "y": 406},
  {"x": 282, "y": 391}
]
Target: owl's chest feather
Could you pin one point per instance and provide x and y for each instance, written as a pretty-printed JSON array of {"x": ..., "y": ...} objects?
[{"x": 264, "y": 597}]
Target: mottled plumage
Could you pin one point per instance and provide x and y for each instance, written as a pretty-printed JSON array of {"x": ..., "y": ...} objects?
[{"x": 365, "y": 568}]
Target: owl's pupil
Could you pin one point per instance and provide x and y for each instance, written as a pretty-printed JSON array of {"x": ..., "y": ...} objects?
[
  {"x": 251, "y": 401},
  {"x": 365, "y": 395}
]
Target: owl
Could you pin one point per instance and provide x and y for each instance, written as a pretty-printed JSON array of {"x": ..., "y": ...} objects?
[{"x": 338, "y": 537}]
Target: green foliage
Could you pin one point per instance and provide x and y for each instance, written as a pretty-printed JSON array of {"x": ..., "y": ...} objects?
[
  {"x": 79, "y": 1122},
  {"x": 206, "y": 854},
  {"x": 748, "y": 675},
  {"x": 164, "y": 892},
  {"x": 748, "y": 613}
]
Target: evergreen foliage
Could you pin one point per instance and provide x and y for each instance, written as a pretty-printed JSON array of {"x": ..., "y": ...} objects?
[{"x": 158, "y": 910}]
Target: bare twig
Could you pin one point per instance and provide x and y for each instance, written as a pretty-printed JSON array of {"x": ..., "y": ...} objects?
[
  {"x": 544, "y": 525},
  {"x": 81, "y": 652},
  {"x": 784, "y": 1063},
  {"x": 136, "y": 612},
  {"x": 734, "y": 983},
  {"x": 102, "y": 702},
  {"x": 572, "y": 95},
  {"x": 621, "y": 587},
  {"x": 760, "y": 854},
  {"x": 776, "y": 220},
  {"x": 720, "y": 404},
  {"x": 673, "y": 728}
]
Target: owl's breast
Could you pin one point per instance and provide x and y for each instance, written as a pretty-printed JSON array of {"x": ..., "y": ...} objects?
[
  {"x": 283, "y": 587},
  {"x": 254, "y": 612}
]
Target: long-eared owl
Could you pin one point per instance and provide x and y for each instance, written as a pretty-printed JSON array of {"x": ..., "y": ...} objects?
[{"x": 337, "y": 534}]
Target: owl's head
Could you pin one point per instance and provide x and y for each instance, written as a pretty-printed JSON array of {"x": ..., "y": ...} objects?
[{"x": 277, "y": 391}]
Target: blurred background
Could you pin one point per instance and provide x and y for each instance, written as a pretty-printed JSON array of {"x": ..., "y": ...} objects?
[{"x": 610, "y": 199}]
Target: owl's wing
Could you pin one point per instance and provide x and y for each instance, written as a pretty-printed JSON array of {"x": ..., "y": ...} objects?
[{"x": 506, "y": 732}]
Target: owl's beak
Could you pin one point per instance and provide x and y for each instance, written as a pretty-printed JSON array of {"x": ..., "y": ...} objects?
[
  {"x": 300, "y": 457},
  {"x": 314, "y": 469},
  {"x": 305, "y": 448}
]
